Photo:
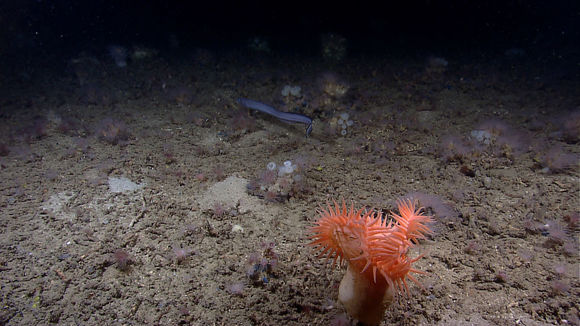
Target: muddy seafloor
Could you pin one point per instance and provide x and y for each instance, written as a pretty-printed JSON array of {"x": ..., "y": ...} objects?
[{"x": 207, "y": 237}]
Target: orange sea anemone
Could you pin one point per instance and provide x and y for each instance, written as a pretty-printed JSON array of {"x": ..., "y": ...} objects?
[{"x": 371, "y": 244}]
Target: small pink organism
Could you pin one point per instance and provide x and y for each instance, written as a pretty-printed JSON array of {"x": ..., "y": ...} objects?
[
  {"x": 181, "y": 254},
  {"x": 122, "y": 259}
]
